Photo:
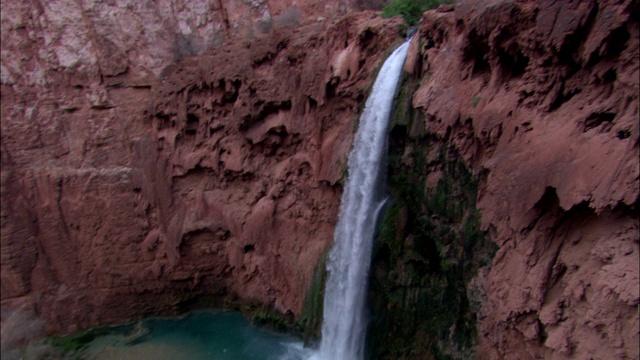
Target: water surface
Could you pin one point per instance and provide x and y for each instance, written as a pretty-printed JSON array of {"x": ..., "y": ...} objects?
[{"x": 204, "y": 335}]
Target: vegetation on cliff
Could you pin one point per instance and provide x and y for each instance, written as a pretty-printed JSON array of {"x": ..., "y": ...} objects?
[
  {"x": 411, "y": 10},
  {"x": 428, "y": 249},
  {"x": 311, "y": 319}
]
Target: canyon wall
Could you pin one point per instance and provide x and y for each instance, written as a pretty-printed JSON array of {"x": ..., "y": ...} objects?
[
  {"x": 541, "y": 101},
  {"x": 156, "y": 154}
]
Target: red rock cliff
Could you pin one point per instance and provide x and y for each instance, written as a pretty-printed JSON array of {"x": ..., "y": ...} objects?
[
  {"x": 541, "y": 98},
  {"x": 152, "y": 154},
  {"x": 155, "y": 153}
]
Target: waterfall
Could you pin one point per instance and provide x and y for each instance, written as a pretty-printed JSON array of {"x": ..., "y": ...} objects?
[{"x": 344, "y": 324}]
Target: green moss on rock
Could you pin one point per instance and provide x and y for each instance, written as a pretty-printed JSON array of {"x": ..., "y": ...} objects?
[
  {"x": 311, "y": 319},
  {"x": 273, "y": 320},
  {"x": 429, "y": 246},
  {"x": 73, "y": 342}
]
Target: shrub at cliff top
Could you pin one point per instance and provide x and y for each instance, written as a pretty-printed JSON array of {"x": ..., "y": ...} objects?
[{"x": 411, "y": 10}]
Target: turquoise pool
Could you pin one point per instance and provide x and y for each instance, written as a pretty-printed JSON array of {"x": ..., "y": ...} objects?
[{"x": 204, "y": 335}]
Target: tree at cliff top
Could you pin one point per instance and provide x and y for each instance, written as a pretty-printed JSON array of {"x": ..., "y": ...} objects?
[{"x": 411, "y": 10}]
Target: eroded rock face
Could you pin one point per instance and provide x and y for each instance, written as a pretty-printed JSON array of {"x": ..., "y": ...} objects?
[
  {"x": 156, "y": 153},
  {"x": 541, "y": 98}
]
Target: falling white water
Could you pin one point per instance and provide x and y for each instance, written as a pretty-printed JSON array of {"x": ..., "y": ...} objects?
[{"x": 344, "y": 324}]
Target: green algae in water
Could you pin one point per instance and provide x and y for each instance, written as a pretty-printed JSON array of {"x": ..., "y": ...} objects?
[{"x": 198, "y": 336}]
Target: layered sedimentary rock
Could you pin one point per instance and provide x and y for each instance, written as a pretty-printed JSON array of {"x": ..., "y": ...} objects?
[
  {"x": 157, "y": 153},
  {"x": 541, "y": 99}
]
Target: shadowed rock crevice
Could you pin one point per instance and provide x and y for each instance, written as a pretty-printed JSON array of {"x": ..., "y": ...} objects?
[
  {"x": 476, "y": 52},
  {"x": 601, "y": 120}
]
